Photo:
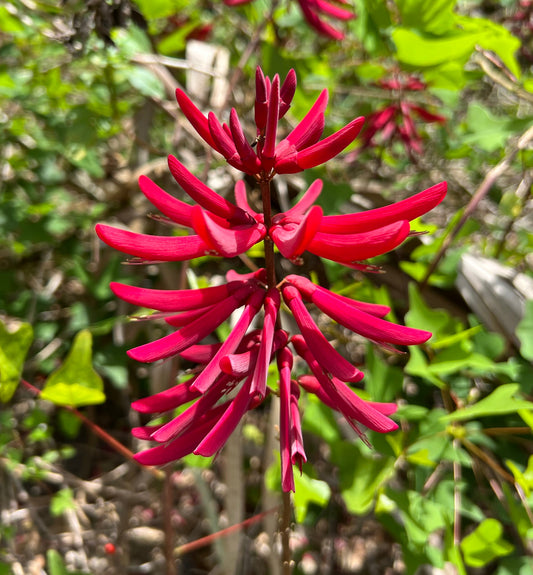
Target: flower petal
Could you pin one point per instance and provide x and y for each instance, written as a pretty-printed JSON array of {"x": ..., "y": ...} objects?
[
  {"x": 271, "y": 306},
  {"x": 173, "y": 300},
  {"x": 195, "y": 117},
  {"x": 164, "y": 248},
  {"x": 205, "y": 196},
  {"x": 213, "y": 369},
  {"x": 355, "y": 247},
  {"x": 363, "y": 323},
  {"x": 320, "y": 347},
  {"x": 292, "y": 240},
  {"x": 329, "y": 147},
  {"x": 407, "y": 209},
  {"x": 286, "y": 92},
  {"x": 189, "y": 418},
  {"x": 167, "y": 399},
  {"x": 306, "y": 201},
  {"x": 175, "y": 209},
  {"x": 227, "y": 242},
  {"x": 224, "y": 427},
  {"x": 269, "y": 145},
  {"x": 192, "y": 333},
  {"x": 307, "y": 288},
  {"x": 284, "y": 367}
]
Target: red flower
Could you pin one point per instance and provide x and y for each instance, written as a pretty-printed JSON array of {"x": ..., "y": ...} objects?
[
  {"x": 300, "y": 150},
  {"x": 222, "y": 228},
  {"x": 314, "y": 12},
  {"x": 231, "y": 376},
  {"x": 396, "y": 121}
]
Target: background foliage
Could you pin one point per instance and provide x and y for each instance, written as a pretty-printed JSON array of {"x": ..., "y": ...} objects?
[{"x": 84, "y": 111}]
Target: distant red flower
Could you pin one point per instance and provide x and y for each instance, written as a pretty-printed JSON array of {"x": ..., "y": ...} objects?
[
  {"x": 314, "y": 12},
  {"x": 396, "y": 121}
]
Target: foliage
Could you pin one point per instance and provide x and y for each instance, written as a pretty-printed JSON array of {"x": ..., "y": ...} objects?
[{"x": 81, "y": 117}]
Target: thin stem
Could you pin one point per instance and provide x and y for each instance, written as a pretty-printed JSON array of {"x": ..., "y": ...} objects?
[
  {"x": 285, "y": 530},
  {"x": 268, "y": 243},
  {"x": 167, "y": 518}
]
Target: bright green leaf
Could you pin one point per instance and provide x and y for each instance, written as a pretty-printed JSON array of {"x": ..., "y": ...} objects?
[
  {"x": 432, "y": 16},
  {"x": 360, "y": 476},
  {"x": 485, "y": 544},
  {"x": 76, "y": 383},
  {"x": 502, "y": 400},
  {"x": 485, "y": 130},
  {"x": 146, "y": 82},
  {"x": 55, "y": 563},
  {"x": 421, "y": 316},
  {"x": 307, "y": 491},
  {"x": 13, "y": 349},
  {"x": 62, "y": 501}
]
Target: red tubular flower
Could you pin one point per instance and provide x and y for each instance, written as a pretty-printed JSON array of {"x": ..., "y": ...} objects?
[
  {"x": 314, "y": 12},
  {"x": 300, "y": 150},
  {"x": 231, "y": 377},
  {"x": 357, "y": 320},
  {"x": 330, "y": 359},
  {"x": 340, "y": 397},
  {"x": 396, "y": 120}
]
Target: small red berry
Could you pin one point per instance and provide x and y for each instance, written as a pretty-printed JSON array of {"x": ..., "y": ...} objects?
[{"x": 109, "y": 548}]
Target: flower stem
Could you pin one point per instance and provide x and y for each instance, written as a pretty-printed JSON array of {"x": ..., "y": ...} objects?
[
  {"x": 285, "y": 531},
  {"x": 268, "y": 243}
]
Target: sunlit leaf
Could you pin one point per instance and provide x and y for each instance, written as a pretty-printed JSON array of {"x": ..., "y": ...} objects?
[
  {"x": 76, "y": 383},
  {"x": 307, "y": 491},
  {"x": 501, "y": 401},
  {"x": 485, "y": 544},
  {"x": 13, "y": 349}
]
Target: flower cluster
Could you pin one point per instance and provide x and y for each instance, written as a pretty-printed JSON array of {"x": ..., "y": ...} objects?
[
  {"x": 315, "y": 12},
  {"x": 231, "y": 377},
  {"x": 396, "y": 121}
]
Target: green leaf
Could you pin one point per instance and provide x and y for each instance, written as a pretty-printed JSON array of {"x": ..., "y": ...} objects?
[
  {"x": 307, "y": 491},
  {"x": 485, "y": 544},
  {"x": 416, "y": 49},
  {"x": 76, "y": 383},
  {"x": 524, "y": 479},
  {"x": 13, "y": 349},
  {"x": 152, "y": 9},
  {"x": 524, "y": 331},
  {"x": 432, "y": 16},
  {"x": 421, "y": 51},
  {"x": 501, "y": 401},
  {"x": 62, "y": 501},
  {"x": 146, "y": 82},
  {"x": 421, "y": 316},
  {"x": 360, "y": 476},
  {"x": 383, "y": 381},
  {"x": 55, "y": 563},
  {"x": 485, "y": 130},
  {"x": 418, "y": 366}
]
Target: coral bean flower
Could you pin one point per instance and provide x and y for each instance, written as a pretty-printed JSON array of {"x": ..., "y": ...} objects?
[
  {"x": 238, "y": 366},
  {"x": 301, "y": 149},
  {"x": 396, "y": 121},
  {"x": 222, "y": 228},
  {"x": 314, "y": 12},
  {"x": 351, "y": 237}
]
